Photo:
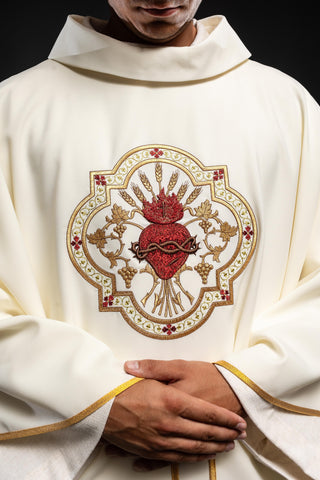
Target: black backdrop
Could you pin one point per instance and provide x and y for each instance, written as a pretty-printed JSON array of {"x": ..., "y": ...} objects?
[{"x": 282, "y": 34}]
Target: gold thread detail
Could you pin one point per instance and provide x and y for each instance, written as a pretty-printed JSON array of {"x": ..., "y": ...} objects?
[
  {"x": 175, "y": 471},
  {"x": 212, "y": 470},
  {"x": 29, "y": 432},
  {"x": 134, "y": 312},
  {"x": 266, "y": 396}
]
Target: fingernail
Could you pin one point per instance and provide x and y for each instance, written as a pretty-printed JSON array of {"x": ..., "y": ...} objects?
[
  {"x": 242, "y": 436},
  {"x": 229, "y": 447},
  {"x": 241, "y": 426},
  {"x": 132, "y": 365}
]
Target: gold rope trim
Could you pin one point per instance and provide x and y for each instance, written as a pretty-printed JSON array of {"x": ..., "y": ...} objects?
[
  {"x": 263, "y": 394},
  {"x": 212, "y": 470},
  {"x": 72, "y": 420},
  {"x": 175, "y": 471}
]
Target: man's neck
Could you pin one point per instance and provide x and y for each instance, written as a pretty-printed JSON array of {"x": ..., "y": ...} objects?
[{"x": 117, "y": 29}]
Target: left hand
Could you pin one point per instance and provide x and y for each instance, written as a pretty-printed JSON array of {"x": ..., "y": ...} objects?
[{"x": 200, "y": 379}]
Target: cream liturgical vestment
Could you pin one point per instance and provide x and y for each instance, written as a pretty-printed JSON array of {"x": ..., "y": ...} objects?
[{"x": 159, "y": 202}]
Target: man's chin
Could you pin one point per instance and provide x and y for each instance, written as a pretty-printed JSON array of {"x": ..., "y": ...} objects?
[{"x": 158, "y": 34}]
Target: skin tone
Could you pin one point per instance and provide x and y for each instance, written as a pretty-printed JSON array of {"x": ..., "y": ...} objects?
[
  {"x": 183, "y": 411},
  {"x": 152, "y": 22},
  {"x": 181, "y": 374}
]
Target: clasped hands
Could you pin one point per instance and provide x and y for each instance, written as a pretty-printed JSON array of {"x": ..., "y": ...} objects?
[{"x": 183, "y": 411}]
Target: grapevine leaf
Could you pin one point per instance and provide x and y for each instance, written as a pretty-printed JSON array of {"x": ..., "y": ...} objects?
[
  {"x": 227, "y": 231},
  {"x": 98, "y": 238},
  {"x": 112, "y": 258},
  {"x": 119, "y": 214},
  {"x": 204, "y": 211}
]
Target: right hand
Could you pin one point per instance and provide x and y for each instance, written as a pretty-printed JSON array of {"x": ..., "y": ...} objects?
[{"x": 156, "y": 421}]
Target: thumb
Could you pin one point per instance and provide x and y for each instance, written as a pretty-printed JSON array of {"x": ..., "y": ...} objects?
[{"x": 164, "y": 371}]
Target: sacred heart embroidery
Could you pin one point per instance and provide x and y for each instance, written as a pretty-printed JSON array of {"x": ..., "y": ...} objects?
[
  {"x": 161, "y": 215},
  {"x": 164, "y": 243}
]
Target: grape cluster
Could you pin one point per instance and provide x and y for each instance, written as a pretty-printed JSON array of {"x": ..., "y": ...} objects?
[
  {"x": 120, "y": 229},
  {"x": 203, "y": 269},
  {"x": 127, "y": 273},
  {"x": 205, "y": 225}
]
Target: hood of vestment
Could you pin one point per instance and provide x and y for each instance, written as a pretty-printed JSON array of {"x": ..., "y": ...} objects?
[{"x": 80, "y": 46}]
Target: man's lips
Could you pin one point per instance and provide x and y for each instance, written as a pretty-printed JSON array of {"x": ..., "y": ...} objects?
[{"x": 161, "y": 12}]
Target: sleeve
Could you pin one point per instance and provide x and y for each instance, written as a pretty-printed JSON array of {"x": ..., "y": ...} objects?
[
  {"x": 61, "y": 454},
  {"x": 272, "y": 434},
  {"x": 52, "y": 374},
  {"x": 277, "y": 377}
]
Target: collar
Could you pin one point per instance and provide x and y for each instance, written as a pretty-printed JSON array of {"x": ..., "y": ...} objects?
[{"x": 82, "y": 47}]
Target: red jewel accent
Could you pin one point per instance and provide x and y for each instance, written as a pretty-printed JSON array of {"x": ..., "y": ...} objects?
[
  {"x": 248, "y": 233},
  {"x": 76, "y": 242},
  {"x": 225, "y": 294},
  {"x": 218, "y": 174},
  {"x": 156, "y": 153},
  {"x": 169, "y": 329},
  {"x": 100, "y": 180},
  {"x": 108, "y": 301}
]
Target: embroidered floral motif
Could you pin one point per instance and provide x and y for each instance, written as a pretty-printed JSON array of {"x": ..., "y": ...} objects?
[
  {"x": 169, "y": 329},
  {"x": 76, "y": 242},
  {"x": 108, "y": 301},
  {"x": 156, "y": 153},
  {"x": 225, "y": 294},
  {"x": 163, "y": 240},
  {"x": 100, "y": 180},
  {"x": 98, "y": 238},
  {"x": 218, "y": 174},
  {"x": 248, "y": 233}
]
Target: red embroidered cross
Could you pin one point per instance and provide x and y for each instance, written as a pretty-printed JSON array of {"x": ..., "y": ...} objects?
[
  {"x": 76, "y": 243},
  {"x": 156, "y": 153},
  {"x": 100, "y": 180},
  {"x": 108, "y": 301},
  {"x": 218, "y": 174},
  {"x": 248, "y": 232},
  {"x": 225, "y": 294},
  {"x": 169, "y": 329}
]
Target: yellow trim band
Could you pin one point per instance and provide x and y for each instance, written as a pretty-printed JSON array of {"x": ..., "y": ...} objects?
[
  {"x": 263, "y": 394},
  {"x": 212, "y": 470},
  {"x": 72, "y": 420},
  {"x": 175, "y": 471}
]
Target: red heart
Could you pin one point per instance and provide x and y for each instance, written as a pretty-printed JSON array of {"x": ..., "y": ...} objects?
[{"x": 160, "y": 240}]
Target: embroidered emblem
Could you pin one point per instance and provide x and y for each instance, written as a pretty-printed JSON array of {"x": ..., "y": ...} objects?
[
  {"x": 162, "y": 238},
  {"x": 164, "y": 243}
]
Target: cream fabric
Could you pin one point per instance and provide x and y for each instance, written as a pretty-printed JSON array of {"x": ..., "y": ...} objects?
[
  {"x": 53, "y": 456},
  {"x": 94, "y": 100},
  {"x": 76, "y": 43},
  {"x": 270, "y": 432}
]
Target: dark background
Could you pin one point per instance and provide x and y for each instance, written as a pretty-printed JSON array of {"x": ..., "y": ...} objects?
[{"x": 284, "y": 35}]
